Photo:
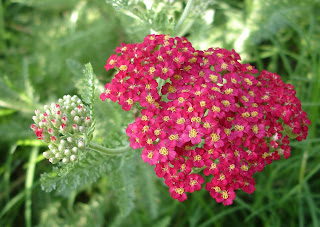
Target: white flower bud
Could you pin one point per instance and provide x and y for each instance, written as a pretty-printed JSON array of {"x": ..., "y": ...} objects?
[
  {"x": 73, "y": 158},
  {"x": 76, "y": 119},
  {"x": 35, "y": 119},
  {"x": 61, "y": 147},
  {"x": 47, "y": 154},
  {"x": 58, "y": 155},
  {"x": 69, "y": 139},
  {"x": 53, "y": 160},
  {"x": 75, "y": 150},
  {"x": 51, "y": 146},
  {"x": 82, "y": 129},
  {"x": 67, "y": 152},
  {"x": 80, "y": 144},
  {"x": 41, "y": 117},
  {"x": 65, "y": 160}
]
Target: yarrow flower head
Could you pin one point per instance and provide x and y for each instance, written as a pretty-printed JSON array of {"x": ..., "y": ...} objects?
[
  {"x": 212, "y": 116},
  {"x": 62, "y": 126}
]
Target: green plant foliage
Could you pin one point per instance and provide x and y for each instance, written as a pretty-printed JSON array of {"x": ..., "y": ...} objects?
[
  {"x": 44, "y": 46},
  {"x": 123, "y": 183},
  {"x": 68, "y": 178}
]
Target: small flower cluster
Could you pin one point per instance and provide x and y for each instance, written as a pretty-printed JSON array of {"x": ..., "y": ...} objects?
[
  {"x": 61, "y": 127},
  {"x": 212, "y": 114}
]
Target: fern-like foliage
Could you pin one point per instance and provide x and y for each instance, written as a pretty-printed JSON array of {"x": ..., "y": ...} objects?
[
  {"x": 273, "y": 16},
  {"x": 87, "y": 92},
  {"x": 67, "y": 178},
  {"x": 91, "y": 213},
  {"x": 123, "y": 183},
  {"x": 149, "y": 18}
]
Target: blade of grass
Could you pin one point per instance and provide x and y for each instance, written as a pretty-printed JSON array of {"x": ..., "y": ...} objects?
[
  {"x": 2, "y": 30},
  {"x": 311, "y": 204},
  {"x": 301, "y": 210},
  {"x": 28, "y": 185},
  {"x": 220, "y": 215},
  {"x": 15, "y": 200},
  {"x": 7, "y": 171},
  {"x": 183, "y": 16}
]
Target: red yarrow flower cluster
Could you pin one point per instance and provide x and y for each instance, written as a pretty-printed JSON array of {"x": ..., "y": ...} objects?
[{"x": 203, "y": 114}]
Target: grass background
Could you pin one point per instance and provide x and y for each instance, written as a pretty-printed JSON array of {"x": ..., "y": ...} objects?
[{"x": 44, "y": 44}]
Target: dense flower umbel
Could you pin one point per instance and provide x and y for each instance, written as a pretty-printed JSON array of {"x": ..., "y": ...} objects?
[
  {"x": 61, "y": 127},
  {"x": 213, "y": 114}
]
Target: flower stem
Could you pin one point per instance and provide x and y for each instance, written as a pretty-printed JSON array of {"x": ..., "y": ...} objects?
[
  {"x": 107, "y": 151},
  {"x": 184, "y": 15}
]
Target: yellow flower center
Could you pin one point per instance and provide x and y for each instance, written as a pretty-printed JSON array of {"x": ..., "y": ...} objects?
[
  {"x": 202, "y": 103},
  {"x": 129, "y": 101},
  {"x": 216, "y": 109},
  {"x": 255, "y": 129},
  {"x": 157, "y": 132},
  {"x": 213, "y": 78},
  {"x": 150, "y": 99},
  {"x": 145, "y": 128},
  {"x": 225, "y": 194},
  {"x": 244, "y": 98},
  {"x": 222, "y": 176},
  {"x": 245, "y": 114},
  {"x": 206, "y": 125},
  {"x": 248, "y": 81},
  {"x": 244, "y": 168},
  {"x": 172, "y": 89},
  {"x": 180, "y": 191},
  {"x": 181, "y": 121},
  {"x": 150, "y": 155},
  {"x": 196, "y": 119},
  {"x": 228, "y": 91},
  {"x": 166, "y": 118},
  {"x": 239, "y": 127},
  {"x": 215, "y": 137},
  {"x": 213, "y": 166},
  {"x": 197, "y": 158},
  {"x": 163, "y": 151},
  {"x": 193, "y": 182},
  {"x": 123, "y": 68},
  {"x": 224, "y": 65},
  {"x": 164, "y": 70},
  {"x": 193, "y": 133},
  {"x": 220, "y": 55},
  {"x": 225, "y": 102},
  {"x": 181, "y": 100},
  {"x": 187, "y": 68},
  {"x": 254, "y": 113},
  {"x": 193, "y": 60},
  {"x": 177, "y": 77},
  {"x": 152, "y": 70}
]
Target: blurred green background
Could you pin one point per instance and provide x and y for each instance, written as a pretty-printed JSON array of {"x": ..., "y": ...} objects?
[{"x": 45, "y": 43}]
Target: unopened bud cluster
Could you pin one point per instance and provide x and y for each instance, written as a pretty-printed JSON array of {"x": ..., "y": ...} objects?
[{"x": 61, "y": 126}]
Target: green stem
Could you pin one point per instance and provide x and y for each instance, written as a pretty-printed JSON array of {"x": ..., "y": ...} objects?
[
  {"x": 28, "y": 185},
  {"x": 2, "y": 30},
  {"x": 184, "y": 15},
  {"x": 107, "y": 151}
]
